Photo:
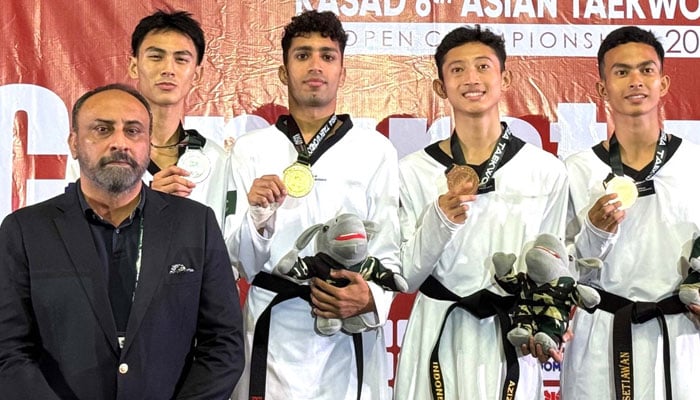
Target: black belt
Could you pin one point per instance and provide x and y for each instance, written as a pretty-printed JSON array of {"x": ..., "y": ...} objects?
[
  {"x": 482, "y": 304},
  {"x": 625, "y": 313},
  {"x": 285, "y": 290}
]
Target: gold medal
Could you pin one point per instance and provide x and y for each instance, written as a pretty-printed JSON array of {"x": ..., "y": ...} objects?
[
  {"x": 461, "y": 174},
  {"x": 625, "y": 188},
  {"x": 298, "y": 179}
]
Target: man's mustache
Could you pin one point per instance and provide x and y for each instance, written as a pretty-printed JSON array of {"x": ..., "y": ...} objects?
[{"x": 118, "y": 156}]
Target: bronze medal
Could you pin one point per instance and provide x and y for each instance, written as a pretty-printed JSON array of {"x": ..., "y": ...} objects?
[
  {"x": 461, "y": 174},
  {"x": 298, "y": 179}
]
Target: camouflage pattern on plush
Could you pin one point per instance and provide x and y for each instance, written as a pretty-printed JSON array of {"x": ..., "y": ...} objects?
[
  {"x": 541, "y": 308},
  {"x": 689, "y": 291},
  {"x": 546, "y": 293}
]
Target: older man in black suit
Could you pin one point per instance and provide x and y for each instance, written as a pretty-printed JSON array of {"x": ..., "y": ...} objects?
[{"x": 113, "y": 290}]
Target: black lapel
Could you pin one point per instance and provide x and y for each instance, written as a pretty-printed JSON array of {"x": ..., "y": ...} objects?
[
  {"x": 75, "y": 233},
  {"x": 157, "y": 239}
]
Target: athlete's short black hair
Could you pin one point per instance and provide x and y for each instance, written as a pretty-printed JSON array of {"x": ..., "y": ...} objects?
[
  {"x": 325, "y": 23},
  {"x": 163, "y": 21},
  {"x": 464, "y": 35},
  {"x": 627, "y": 34}
]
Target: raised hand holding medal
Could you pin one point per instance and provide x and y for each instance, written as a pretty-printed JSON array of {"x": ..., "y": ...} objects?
[
  {"x": 458, "y": 175},
  {"x": 463, "y": 182},
  {"x": 196, "y": 163},
  {"x": 194, "y": 160},
  {"x": 607, "y": 213},
  {"x": 625, "y": 189},
  {"x": 460, "y": 172}
]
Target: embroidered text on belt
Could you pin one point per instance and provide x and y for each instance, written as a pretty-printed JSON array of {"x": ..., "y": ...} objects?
[
  {"x": 482, "y": 304},
  {"x": 285, "y": 290},
  {"x": 625, "y": 313}
]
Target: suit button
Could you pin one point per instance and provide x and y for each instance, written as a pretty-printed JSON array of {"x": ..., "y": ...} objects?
[{"x": 123, "y": 368}]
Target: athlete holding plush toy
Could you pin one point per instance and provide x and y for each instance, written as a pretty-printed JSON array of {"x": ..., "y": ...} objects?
[{"x": 546, "y": 292}]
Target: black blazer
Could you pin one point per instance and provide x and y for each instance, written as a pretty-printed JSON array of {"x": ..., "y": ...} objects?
[{"x": 57, "y": 333}]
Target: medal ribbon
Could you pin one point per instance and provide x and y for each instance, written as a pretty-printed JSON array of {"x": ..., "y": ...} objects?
[
  {"x": 496, "y": 155},
  {"x": 659, "y": 160},
  {"x": 304, "y": 150},
  {"x": 193, "y": 141}
]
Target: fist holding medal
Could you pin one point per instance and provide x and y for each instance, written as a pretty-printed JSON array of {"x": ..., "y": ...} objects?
[
  {"x": 458, "y": 175},
  {"x": 625, "y": 188},
  {"x": 605, "y": 213},
  {"x": 196, "y": 163},
  {"x": 453, "y": 204}
]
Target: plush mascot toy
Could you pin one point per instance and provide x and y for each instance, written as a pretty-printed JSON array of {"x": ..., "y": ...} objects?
[
  {"x": 689, "y": 292},
  {"x": 340, "y": 243},
  {"x": 546, "y": 293}
]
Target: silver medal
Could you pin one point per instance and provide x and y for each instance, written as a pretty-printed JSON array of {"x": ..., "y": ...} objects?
[{"x": 196, "y": 163}]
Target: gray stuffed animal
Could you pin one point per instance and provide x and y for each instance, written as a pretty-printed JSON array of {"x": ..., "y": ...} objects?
[
  {"x": 546, "y": 293},
  {"x": 340, "y": 243}
]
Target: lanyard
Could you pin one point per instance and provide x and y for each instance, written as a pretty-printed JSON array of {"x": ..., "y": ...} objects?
[
  {"x": 304, "y": 150},
  {"x": 496, "y": 155},
  {"x": 137, "y": 264},
  {"x": 190, "y": 139},
  {"x": 121, "y": 336},
  {"x": 659, "y": 160}
]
